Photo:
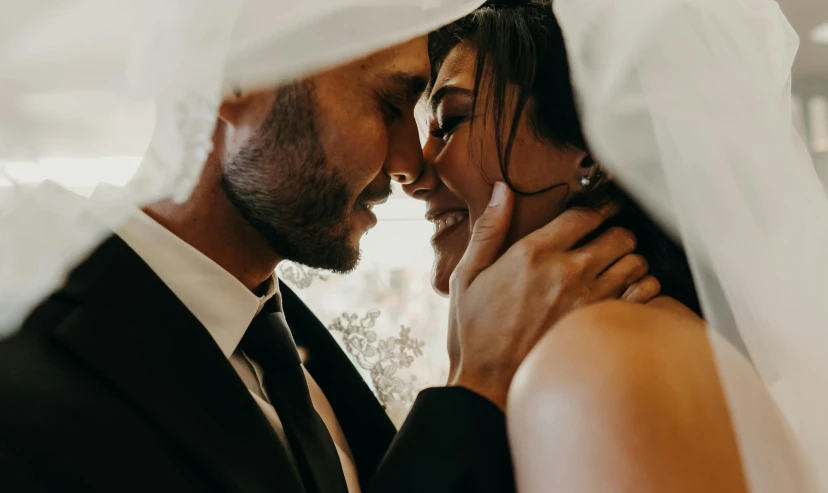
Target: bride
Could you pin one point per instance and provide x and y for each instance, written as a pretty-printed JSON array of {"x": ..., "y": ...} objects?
[{"x": 617, "y": 396}]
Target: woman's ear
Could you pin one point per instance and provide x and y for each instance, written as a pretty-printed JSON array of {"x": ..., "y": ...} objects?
[
  {"x": 537, "y": 166},
  {"x": 589, "y": 174}
]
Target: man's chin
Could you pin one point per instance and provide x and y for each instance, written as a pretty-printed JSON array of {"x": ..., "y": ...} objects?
[
  {"x": 344, "y": 254},
  {"x": 350, "y": 256},
  {"x": 338, "y": 263},
  {"x": 346, "y": 262},
  {"x": 336, "y": 253}
]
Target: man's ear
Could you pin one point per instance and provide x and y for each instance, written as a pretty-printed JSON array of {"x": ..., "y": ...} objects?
[
  {"x": 245, "y": 109},
  {"x": 233, "y": 105},
  {"x": 231, "y": 110}
]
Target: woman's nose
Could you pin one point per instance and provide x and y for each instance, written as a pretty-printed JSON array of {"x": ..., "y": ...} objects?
[{"x": 428, "y": 180}]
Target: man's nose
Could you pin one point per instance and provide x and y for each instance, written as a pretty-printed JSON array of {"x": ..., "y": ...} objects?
[
  {"x": 405, "y": 170},
  {"x": 404, "y": 162}
]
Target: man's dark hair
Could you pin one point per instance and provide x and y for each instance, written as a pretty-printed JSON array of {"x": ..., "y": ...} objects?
[{"x": 519, "y": 42}]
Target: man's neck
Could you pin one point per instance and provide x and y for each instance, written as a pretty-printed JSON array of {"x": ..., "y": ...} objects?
[{"x": 210, "y": 223}]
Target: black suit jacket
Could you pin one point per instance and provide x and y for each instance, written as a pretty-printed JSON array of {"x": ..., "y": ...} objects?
[{"x": 112, "y": 385}]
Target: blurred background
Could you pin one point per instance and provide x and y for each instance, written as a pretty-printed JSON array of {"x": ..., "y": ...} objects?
[
  {"x": 810, "y": 75},
  {"x": 385, "y": 313}
]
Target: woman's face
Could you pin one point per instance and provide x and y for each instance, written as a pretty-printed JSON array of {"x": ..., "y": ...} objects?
[{"x": 461, "y": 166}]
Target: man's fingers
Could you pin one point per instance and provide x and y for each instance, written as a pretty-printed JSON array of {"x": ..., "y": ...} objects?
[
  {"x": 620, "y": 277},
  {"x": 604, "y": 251},
  {"x": 488, "y": 235},
  {"x": 643, "y": 291},
  {"x": 566, "y": 230}
]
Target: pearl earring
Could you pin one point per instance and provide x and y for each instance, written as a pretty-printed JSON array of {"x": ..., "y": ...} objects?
[{"x": 589, "y": 181}]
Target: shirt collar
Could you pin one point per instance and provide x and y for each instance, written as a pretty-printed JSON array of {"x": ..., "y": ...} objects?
[{"x": 214, "y": 296}]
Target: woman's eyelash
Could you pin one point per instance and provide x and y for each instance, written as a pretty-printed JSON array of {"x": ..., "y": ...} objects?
[{"x": 445, "y": 128}]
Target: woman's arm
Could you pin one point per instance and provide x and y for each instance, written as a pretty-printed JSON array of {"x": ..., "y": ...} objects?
[{"x": 620, "y": 397}]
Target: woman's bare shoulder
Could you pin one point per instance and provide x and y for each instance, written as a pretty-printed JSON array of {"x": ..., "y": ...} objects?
[
  {"x": 634, "y": 391},
  {"x": 623, "y": 346}
]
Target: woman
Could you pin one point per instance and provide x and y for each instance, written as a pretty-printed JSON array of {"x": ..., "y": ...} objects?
[{"x": 616, "y": 397}]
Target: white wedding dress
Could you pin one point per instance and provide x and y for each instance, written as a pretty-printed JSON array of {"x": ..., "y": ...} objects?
[{"x": 686, "y": 102}]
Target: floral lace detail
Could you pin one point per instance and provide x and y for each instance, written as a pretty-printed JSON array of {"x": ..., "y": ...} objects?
[
  {"x": 382, "y": 358},
  {"x": 196, "y": 121},
  {"x": 299, "y": 275}
]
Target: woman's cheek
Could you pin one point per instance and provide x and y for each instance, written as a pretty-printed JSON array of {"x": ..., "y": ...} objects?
[{"x": 473, "y": 174}]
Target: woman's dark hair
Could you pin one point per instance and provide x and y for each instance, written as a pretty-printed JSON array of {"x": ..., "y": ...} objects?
[{"x": 519, "y": 43}]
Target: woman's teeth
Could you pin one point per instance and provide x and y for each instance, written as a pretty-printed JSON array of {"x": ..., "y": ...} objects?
[{"x": 448, "y": 220}]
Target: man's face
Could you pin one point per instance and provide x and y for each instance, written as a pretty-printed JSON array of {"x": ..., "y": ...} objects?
[{"x": 305, "y": 164}]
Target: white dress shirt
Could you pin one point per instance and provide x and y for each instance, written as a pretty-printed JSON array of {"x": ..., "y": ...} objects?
[{"x": 222, "y": 304}]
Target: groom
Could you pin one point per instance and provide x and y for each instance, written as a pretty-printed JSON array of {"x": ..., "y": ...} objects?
[{"x": 167, "y": 361}]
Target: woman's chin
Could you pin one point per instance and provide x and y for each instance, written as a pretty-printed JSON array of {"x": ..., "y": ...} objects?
[
  {"x": 439, "y": 279},
  {"x": 444, "y": 265},
  {"x": 449, "y": 246}
]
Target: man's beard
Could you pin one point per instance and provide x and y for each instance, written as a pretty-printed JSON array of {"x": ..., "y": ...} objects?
[{"x": 281, "y": 184}]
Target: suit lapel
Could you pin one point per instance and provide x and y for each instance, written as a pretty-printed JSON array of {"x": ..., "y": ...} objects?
[
  {"x": 365, "y": 424},
  {"x": 132, "y": 330}
]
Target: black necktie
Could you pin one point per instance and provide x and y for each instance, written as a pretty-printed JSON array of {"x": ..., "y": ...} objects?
[{"x": 269, "y": 343}]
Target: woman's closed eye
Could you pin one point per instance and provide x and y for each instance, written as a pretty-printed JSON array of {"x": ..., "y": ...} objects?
[{"x": 442, "y": 128}]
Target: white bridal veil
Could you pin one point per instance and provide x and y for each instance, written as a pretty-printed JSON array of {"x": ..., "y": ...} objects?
[{"x": 687, "y": 102}]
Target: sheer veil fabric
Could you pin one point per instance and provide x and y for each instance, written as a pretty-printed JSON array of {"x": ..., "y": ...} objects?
[
  {"x": 687, "y": 102},
  {"x": 101, "y": 78}
]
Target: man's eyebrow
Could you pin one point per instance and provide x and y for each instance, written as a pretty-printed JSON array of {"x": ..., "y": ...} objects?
[
  {"x": 445, "y": 90},
  {"x": 413, "y": 84}
]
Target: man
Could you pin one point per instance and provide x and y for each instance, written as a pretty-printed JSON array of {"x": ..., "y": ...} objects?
[{"x": 167, "y": 361}]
